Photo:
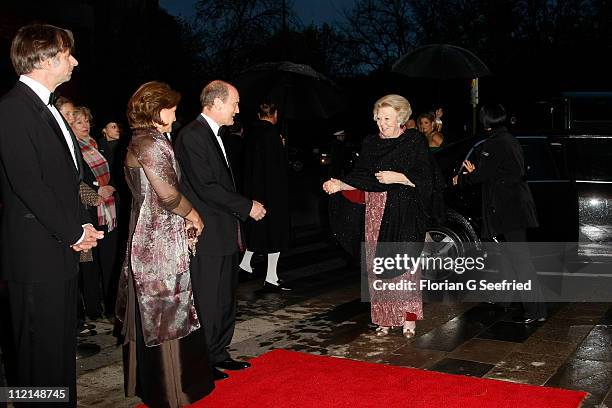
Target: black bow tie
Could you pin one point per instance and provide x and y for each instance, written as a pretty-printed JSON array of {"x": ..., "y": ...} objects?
[{"x": 52, "y": 99}]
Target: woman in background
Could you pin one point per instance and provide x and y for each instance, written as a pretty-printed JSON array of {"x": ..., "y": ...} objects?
[
  {"x": 427, "y": 126},
  {"x": 97, "y": 177}
]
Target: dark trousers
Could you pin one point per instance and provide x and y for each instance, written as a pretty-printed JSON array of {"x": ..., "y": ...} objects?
[
  {"x": 99, "y": 278},
  {"x": 516, "y": 261},
  {"x": 89, "y": 281},
  {"x": 7, "y": 348},
  {"x": 214, "y": 280},
  {"x": 44, "y": 318},
  {"x": 109, "y": 267}
]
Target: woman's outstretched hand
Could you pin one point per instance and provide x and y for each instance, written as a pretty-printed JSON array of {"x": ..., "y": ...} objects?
[
  {"x": 332, "y": 186},
  {"x": 393, "y": 177}
]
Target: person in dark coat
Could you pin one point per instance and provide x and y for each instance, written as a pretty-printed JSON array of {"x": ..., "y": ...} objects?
[
  {"x": 233, "y": 140},
  {"x": 507, "y": 205},
  {"x": 338, "y": 151},
  {"x": 266, "y": 180},
  {"x": 109, "y": 145}
]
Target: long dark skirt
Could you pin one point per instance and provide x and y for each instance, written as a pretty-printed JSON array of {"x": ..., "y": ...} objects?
[{"x": 173, "y": 374}]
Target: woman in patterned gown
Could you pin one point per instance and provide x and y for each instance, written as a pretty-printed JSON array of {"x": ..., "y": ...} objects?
[
  {"x": 395, "y": 171},
  {"x": 165, "y": 356}
]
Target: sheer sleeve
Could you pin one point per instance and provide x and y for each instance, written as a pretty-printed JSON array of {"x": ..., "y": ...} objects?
[{"x": 157, "y": 162}]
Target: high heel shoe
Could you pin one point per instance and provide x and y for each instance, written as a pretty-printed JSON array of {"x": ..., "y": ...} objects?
[{"x": 382, "y": 331}]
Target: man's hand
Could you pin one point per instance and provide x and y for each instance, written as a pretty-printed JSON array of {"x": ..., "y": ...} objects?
[
  {"x": 257, "y": 211},
  {"x": 90, "y": 239},
  {"x": 194, "y": 221},
  {"x": 106, "y": 191}
]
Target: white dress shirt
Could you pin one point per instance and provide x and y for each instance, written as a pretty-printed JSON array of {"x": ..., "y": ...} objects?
[
  {"x": 43, "y": 93},
  {"x": 215, "y": 128}
]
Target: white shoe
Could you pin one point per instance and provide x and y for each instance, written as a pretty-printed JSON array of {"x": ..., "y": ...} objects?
[
  {"x": 382, "y": 331},
  {"x": 409, "y": 331}
]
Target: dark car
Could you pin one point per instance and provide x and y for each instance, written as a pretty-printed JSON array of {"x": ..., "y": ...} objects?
[{"x": 570, "y": 177}]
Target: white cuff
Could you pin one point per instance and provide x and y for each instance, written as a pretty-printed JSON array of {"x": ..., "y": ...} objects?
[{"x": 82, "y": 236}]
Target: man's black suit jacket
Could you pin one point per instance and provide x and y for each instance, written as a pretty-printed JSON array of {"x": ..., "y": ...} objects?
[
  {"x": 42, "y": 213},
  {"x": 206, "y": 181}
]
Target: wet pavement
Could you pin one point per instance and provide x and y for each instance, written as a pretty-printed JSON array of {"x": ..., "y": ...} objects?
[{"x": 324, "y": 315}]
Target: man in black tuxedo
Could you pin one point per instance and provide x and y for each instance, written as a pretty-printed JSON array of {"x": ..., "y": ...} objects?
[
  {"x": 207, "y": 181},
  {"x": 41, "y": 220}
]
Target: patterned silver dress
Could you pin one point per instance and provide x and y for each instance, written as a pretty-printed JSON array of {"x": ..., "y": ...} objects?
[{"x": 165, "y": 356}]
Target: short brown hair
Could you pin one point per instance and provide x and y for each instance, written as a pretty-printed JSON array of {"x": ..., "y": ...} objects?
[
  {"x": 148, "y": 101},
  {"x": 267, "y": 110},
  {"x": 37, "y": 42},
  {"x": 61, "y": 101},
  {"x": 215, "y": 89}
]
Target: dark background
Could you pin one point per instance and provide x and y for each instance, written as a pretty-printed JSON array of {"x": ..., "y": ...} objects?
[{"x": 536, "y": 49}]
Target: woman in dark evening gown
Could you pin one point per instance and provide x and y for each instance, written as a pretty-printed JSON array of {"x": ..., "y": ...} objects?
[
  {"x": 395, "y": 171},
  {"x": 165, "y": 356}
]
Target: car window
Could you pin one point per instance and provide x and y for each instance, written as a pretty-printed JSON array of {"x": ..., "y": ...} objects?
[
  {"x": 592, "y": 159},
  {"x": 539, "y": 158}
]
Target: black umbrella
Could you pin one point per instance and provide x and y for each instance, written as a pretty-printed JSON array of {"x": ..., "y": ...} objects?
[
  {"x": 298, "y": 90},
  {"x": 441, "y": 61},
  {"x": 444, "y": 61}
]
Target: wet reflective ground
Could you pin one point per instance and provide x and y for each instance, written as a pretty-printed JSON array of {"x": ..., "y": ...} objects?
[{"x": 324, "y": 315}]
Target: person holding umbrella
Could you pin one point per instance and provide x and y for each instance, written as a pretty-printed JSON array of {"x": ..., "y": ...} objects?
[{"x": 266, "y": 180}]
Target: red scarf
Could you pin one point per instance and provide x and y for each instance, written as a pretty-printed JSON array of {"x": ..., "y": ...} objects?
[{"x": 99, "y": 167}]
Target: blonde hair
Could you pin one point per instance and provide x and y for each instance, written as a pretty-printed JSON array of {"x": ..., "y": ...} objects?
[
  {"x": 397, "y": 102},
  {"x": 83, "y": 111}
]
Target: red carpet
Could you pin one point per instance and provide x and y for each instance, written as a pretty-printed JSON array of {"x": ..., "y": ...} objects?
[{"x": 284, "y": 378}]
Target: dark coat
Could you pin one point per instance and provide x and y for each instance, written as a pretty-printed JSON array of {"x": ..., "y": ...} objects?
[
  {"x": 42, "y": 213},
  {"x": 507, "y": 204},
  {"x": 408, "y": 210},
  {"x": 234, "y": 146},
  {"x": 206, "y": 181},
  {"x": 114, "y": 152},
  {"x": 110, "y": 150},
  {"x": 266, "y": 180}
]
